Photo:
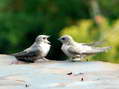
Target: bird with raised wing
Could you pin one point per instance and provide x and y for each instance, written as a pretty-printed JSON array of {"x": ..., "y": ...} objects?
[
  {"x": 76, "y": 50},
  {"x": 38, "y": 50}
]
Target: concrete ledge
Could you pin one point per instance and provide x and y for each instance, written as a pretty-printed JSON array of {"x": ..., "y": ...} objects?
[{"x": 58, "y": 75}]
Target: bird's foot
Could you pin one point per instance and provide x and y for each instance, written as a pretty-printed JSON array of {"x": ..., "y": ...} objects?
[
  {"x": 42, "y": 60},
  {"x": 71, "y": 60},
  {"x": 45, "y": 59},
  {"x": 76, "y": 59}
]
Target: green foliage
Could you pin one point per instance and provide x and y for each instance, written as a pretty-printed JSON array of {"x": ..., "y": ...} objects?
[
  {"x": 110, "y": 8},
  {"x": 86, "y": 31},
  {"x": 22, "y": 20}
]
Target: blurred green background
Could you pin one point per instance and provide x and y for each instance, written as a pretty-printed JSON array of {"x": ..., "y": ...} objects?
[{"x": 85, "y": 20}]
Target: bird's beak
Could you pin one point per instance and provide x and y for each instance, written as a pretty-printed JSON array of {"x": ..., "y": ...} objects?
[
  {"x": 48, "y": 36},
  {"x": 59, "y": 39},
  {"x": 49, "y": 42}
]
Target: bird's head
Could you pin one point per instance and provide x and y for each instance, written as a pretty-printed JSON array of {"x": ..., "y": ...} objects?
[
  {"x": 42, "y": 38},
  {"x": 66, "y": 39}
]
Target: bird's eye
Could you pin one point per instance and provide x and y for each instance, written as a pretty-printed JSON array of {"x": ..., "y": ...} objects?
[
  {"x": 63, "y": 38},
  {"x": 44, "y": 38}
]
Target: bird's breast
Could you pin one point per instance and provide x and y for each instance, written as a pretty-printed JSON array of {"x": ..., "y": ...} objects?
[
  {"x": 44, "y": 49},
  {"x": 65, "y": 49}
]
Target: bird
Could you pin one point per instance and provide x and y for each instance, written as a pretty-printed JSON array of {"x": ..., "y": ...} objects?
[
  {"x": 75, "y": 50},
  {"x": 38, "y": 50}
]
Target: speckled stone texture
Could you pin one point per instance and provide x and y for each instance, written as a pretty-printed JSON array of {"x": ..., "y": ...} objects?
[{"x": 58, "y": 75}]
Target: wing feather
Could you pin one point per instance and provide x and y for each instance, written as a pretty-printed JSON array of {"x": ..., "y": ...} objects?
[
  {"x": 74, "y": 50},
  {"x": 77, "y": 51},
  {"x": 27, "y": 56},
  {"x": 93, "y": 43}
]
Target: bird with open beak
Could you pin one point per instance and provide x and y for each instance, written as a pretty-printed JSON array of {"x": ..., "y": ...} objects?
[{"x": 38, "y": 50}]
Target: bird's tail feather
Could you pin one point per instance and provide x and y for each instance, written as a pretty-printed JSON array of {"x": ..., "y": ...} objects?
[
  {"x": 95, "y": 43},
  {"x": 104, "y": 49}
]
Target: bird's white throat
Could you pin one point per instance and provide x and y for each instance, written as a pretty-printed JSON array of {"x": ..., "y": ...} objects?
[{"x": 45, "y": 48}]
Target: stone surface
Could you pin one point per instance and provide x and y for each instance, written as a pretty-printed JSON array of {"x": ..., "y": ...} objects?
[{"x": 58, "y": 75}]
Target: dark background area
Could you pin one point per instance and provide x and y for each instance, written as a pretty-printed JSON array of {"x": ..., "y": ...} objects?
[{"x": 21, "y": 21}]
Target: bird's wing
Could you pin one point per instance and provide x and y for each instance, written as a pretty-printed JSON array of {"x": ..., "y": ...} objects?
[
  {"x": 27, "y": 56},
  {"x": 94, "y": 50},
  {"x": 74, "y": 50},
  {"x": 86, "y": 50},
  {"x": 27, "y": 53},
  {"x": 93, "y": 43}
]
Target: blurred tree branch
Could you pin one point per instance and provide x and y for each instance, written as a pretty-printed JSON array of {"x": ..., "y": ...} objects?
[{"x": 95, "y": 11}]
